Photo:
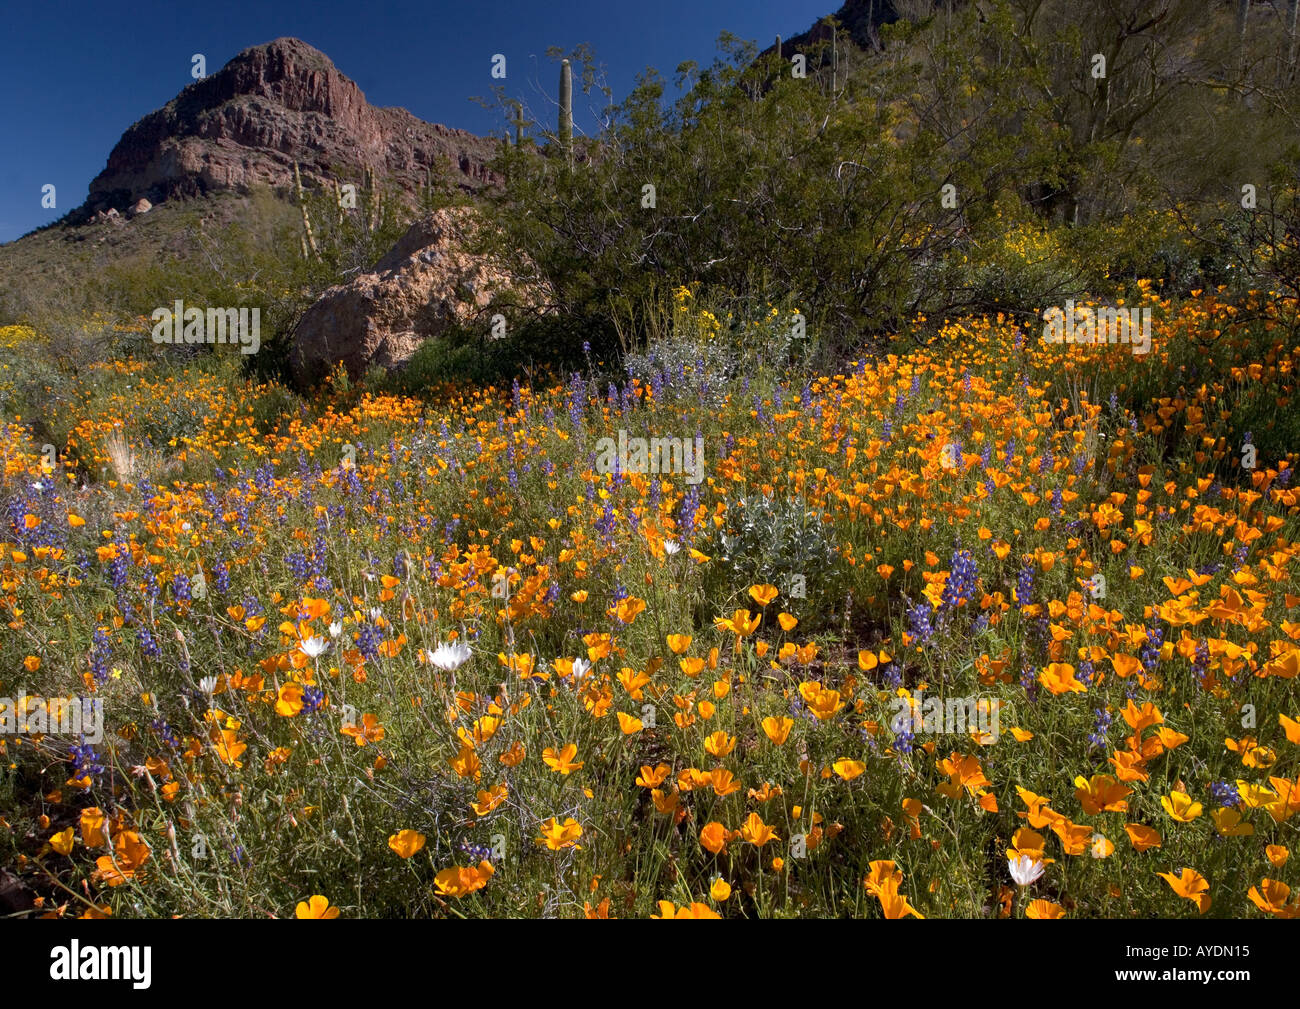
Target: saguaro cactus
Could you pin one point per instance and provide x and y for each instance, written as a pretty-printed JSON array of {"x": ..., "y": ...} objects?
[
  {"x": 566, "y": 110},
  {"x": 1291, "y": 9},
  {"x": 309, "y": 238}
]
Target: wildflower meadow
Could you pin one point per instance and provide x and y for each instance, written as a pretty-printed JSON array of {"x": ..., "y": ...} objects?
[
  {"x": 858, "y": 486},
  {"x": 400, "y": 657}
]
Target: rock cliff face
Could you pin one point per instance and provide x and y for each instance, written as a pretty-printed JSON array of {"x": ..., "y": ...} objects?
[{"x": 270, "y": 106}]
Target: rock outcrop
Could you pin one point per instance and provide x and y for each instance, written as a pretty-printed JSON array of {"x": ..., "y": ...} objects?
[
  {"x": 427, "y": 283},
  {"x": 269, "y": 107},
  {"x": 861, "y": 19}
]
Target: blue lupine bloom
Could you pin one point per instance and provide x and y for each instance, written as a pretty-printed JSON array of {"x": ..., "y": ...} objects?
[
  {"x": 369, "y": 639},
  {"x": 686, "y": 515},
  {"x": 1149, "y": 654},
  {"x": 918, "y": 619},
  {"x": 85, "y": 760},
  {"x": 118, "y": 568},
  {"x": 960, "y": 586},
  {"x": 1101, "y": 725},
  {"x": 478, "y": 851},
  {"x": 1025, "y": 585},
  {"x": 297, "y": 563},
  {"x": 101, "y": 653},
  {"x": 903, "y": 741},
  {"x": 147, "y": 643},
  {"x": 1201, "y": 661},
  {"x": 166, "y": 733},
  {"x": 1029, "y": 682},
  {"x": 221, "y": 577},
  {"x": 1224, "y": 793}
]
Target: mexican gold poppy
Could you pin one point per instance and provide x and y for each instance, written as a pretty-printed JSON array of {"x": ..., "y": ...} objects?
[
  {"x": 667, "y": 909},
  {"x": 1190, "y": 884},
  {"x": 778, "y": 729},
  {"x": 754, "y": 831},
  {"x": 459, "y": 881},
  {"x": 562, "y": 760},
  {"x": 1180, "y": 806},
  {"x": 315, "y": 907},
  {"x": 557, "y": 836},
  {"x": 406, "y": 843}
]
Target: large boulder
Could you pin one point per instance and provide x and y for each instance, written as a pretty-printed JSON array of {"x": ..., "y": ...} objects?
[{"x": 427, "y": 283}]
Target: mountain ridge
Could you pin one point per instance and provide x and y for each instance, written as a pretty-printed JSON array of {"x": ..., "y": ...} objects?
[{"x": 271, "y": 106}]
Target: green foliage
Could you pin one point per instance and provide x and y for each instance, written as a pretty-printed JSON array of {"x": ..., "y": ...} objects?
[
  {"x": 778, "y": 541},
  {"x": 827, "y": 189}
]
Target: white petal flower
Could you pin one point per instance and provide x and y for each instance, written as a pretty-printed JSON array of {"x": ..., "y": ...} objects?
[
  {"x": 1025, "y": 870},
  {"x": 313, "y": 647},
  {"x": 449, "y": 656},
  {"x": 336, "y": 628}
]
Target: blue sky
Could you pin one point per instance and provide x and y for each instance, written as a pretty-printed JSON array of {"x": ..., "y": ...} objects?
[{"x": 74, "y": 76}]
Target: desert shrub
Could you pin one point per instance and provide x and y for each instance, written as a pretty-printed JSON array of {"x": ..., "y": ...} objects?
[{"x": 779, "y": 541}]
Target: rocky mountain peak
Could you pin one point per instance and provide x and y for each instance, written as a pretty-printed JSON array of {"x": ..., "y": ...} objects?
[{"x": 273, "y": 105}]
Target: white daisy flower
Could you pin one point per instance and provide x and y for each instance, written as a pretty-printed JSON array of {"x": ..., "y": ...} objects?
[
  {"x": 1025, "y": 870},
  {"x": 313, "y": 647},
  {"x": 449, "y": 655}
]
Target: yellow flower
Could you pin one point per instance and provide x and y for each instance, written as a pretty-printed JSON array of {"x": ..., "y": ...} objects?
[
  {"x": 1180, "y": 806},
  {"x": 63, "y": 841},
  {"x": 460, "y": 881},
  {"x": 756, "y": 832},
  {"x": 316, "y": 907},
  {"x": 1190, "y": 884},
  {"x": 668, "y": 910},
  {"x": 1229, "y": 824},
  {"x": 563, "y": 760},
  {"x": 719, "y": 744},
  {"x": 628, "y": 723},
  {"x": 406, "y": 842},
  {"x": 778, "y": 729},
  {"x": 557, "y": 836}
]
